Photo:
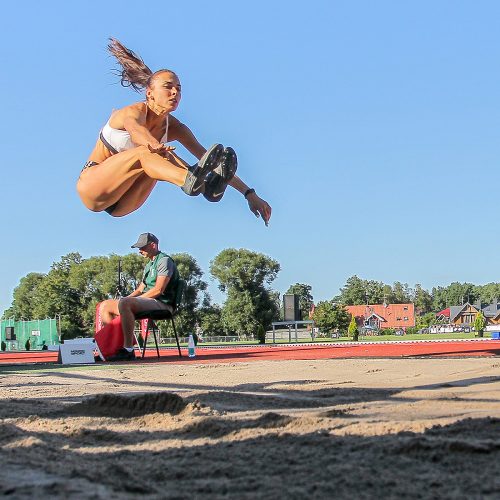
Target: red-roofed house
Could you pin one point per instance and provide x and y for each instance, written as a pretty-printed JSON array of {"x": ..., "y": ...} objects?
[
  {"x": 382, "y": 316},
  {"x": 443, "y": 315}
]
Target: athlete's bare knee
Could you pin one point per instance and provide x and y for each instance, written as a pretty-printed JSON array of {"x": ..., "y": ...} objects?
[{"x": 108, "y": 309}]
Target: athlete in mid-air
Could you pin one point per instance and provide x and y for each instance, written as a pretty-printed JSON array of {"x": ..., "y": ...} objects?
[{"x": 131, "y": 154}]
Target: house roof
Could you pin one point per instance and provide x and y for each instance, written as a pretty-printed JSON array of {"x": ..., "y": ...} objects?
[
  {"x": 491, "y": 310},
  {"x": 392, "y": 314},
  {"x": 456, "y": 310},
  {"x": 376, "y": 315},
  {"x": 444, "y": 312}
]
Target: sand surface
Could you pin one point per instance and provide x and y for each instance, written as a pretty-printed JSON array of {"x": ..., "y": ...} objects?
[{"x": 354, "y": 428}]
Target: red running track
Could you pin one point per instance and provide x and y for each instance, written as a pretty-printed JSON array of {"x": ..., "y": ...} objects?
[{"x": 455, "y": 348}]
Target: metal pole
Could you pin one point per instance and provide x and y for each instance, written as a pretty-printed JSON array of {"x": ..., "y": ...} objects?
[{"x": 274, "y": 333}]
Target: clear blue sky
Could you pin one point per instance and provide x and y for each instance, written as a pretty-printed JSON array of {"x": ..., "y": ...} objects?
[{"x": 370, "y": 127}]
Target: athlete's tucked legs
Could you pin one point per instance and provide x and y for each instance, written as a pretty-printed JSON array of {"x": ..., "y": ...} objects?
[{"x": 106, "y": 183}]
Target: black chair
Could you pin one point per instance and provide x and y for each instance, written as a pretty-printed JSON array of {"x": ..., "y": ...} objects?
[{"x": 156, "y": 315}]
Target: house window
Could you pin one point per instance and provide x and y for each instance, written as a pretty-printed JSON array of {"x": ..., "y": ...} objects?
[
  {"x": 406, "y": 318},
  {"x": 398, "y": 319},
  {"x": 405, "y": 308}
]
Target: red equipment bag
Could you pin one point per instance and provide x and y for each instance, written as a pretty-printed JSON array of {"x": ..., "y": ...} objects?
[{"x": 109, "y": 338}]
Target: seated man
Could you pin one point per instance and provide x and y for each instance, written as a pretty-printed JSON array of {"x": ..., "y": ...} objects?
[{"x": 156, "y": 291}]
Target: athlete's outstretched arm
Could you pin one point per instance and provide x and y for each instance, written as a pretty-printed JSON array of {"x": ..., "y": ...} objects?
[
  {"x": 183, "y": 134},
  {"x": 256, "y": 204},
  {"x": 177, "y": 131}
]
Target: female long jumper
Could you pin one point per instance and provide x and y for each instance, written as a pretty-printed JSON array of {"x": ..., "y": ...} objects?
[{"x": 131, "y": 154}]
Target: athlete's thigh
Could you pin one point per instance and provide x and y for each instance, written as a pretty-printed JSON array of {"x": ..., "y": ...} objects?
[
  {"x": 116, "y": 173},
  {"x": 135, "y": 196}
]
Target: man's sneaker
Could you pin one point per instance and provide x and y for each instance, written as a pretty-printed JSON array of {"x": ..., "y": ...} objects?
[
  {"x": 195, "y": 179},
  {"x": 216, "y": 183},
  {"x": 123, "y": 355}
]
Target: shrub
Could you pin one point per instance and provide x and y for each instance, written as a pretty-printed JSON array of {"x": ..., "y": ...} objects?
[
  {"x": 352, "y": 328},
  {"x": 261, "y": 334},
  {"x": 386, "y": 331},
  {"x": 27, "y": 346},
  {"x": 4, "y": 346}
]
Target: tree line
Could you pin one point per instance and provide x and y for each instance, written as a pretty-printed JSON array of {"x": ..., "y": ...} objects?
[{"x": 73, "y": 286}]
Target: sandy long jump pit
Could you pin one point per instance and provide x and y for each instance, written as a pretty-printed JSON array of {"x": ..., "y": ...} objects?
[{"x": 329, "y": 428}]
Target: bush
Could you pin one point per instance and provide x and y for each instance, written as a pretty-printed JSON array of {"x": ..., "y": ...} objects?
[
  {"x": 4, "y": 346},
  {"x": 261, "y": 334},
  {"x": 27, "y": 346},
  {"x": 386, "y": 331},
  {"x": 355, "y": 336}
]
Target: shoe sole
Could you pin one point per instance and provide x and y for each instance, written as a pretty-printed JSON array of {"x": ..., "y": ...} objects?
[
  {"x": 228, "y": 167},
  {"x": 208, "y": 163}
]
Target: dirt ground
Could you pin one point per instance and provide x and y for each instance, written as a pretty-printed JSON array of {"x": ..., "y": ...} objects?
[{"x": 353, "y": 428}]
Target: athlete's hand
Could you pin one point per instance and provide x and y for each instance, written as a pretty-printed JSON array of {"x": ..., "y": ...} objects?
[
  {"x": 259, "y": 207},
  {"x": 162, "y": 149}
]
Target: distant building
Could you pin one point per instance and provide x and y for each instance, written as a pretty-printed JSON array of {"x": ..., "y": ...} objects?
[
  {"x": 380, "y": 316},
  {"x": 466, "y": 314}
]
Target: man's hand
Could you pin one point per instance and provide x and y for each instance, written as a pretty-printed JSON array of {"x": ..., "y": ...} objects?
[{"x": 259, "y": 207}]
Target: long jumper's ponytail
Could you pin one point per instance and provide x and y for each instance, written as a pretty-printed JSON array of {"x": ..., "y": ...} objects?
[{"x": 134, "y": 73}]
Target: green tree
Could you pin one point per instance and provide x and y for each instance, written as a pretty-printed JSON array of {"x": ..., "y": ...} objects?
[
  {"x": 357, "y": 291},
  {"x": 95, "y": 279},
  {"x": 489, "y": 292},
  {"x": 401, "y": 293},
  {"x": 330, "y": 317},
  {"x": 353, "y": 327},
  {"x": 24, "y": 297},
  {"x": 305, "y": 297},
  {"x": 480, "y": 324},
  {"x": 72, "y": 288},
  {"x": 353, "y": 292},
  {"x": 211, "y": 320},
  {"x": 194, "y": 299},
  {"x": 422, "y": 300},
  {"x": 425, "y": 320},
  {"x": 245, "y": 275},
  {"x": 455, "y": 294},
  {"x": 195, "y": 294},
  {"x": 56, "y": 297}
]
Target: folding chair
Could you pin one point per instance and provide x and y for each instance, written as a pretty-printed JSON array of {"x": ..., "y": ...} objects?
[{"x": 156, "y": 315}]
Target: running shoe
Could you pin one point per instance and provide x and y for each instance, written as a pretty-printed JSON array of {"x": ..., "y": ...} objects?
[
  {"x": 217, "y": 181},
  {"x": 195, "y": 179}
]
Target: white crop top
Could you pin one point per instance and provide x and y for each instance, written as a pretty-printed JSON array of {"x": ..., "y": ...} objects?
[{"x": 120, "y": 140}]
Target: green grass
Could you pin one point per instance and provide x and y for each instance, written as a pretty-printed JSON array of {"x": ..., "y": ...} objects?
[
  {"x": 429, "y": 336},
  {"x": 370, "y": 338}
]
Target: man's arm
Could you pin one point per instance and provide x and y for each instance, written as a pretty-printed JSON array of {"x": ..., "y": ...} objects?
[
  {"x": 165, "y": 269},
  {"x": 158, "y": 289},
  {"x": 137, "y": 291}
]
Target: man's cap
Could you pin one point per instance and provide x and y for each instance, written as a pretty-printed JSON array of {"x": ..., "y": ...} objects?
[{"x": 144, "y": 239}]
